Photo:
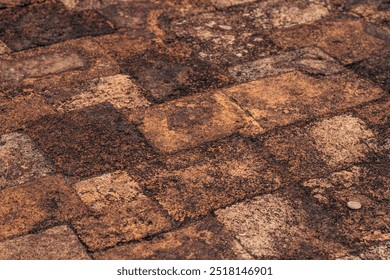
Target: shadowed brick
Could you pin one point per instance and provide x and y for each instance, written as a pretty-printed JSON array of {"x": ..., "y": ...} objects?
[
  {"x": 348, "y": 40},
  {"x": 280, "y": 100},
  {"x": 37, "y": 204},
  {"x": 46, "y": 24},
  {"x": 120, "y": 212},
  {"x": 90, "y": 141},
  {"x": 20, "y": 161},
  {"x": 190, "y": 121},
  {"x": 205, "y": 240},
  {"x": 58, "y": 243}
]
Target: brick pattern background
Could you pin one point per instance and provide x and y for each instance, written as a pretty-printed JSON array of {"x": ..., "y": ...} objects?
[{"x": 210, "y": 129}]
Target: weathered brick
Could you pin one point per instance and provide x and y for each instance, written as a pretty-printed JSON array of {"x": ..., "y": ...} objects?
[
  {"x": 36, "y": 205},
  {"x": 58, "y": 243},
  {"x": 120, "y": 212},
  {"x": 20, "y": 161},
  {"x": 205, "y": 240}
]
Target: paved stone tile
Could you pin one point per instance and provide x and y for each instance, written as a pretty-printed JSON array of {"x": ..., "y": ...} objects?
[
  {"x": 348, "y": 40},
  {"x": 377, "y": 12},
  {"x": 367, "y": 185},
  {"x": 46, "y": 24},
  {"x": 90, "y": 141},
  {"x": 274, "y": 227},
  {"x": 119, "y": 90},
  {"x": 307, "y": 60},
  {"x": 223, "y": 37},
  {"x": 205, "y": 240},
  {"x": 120, "y": 211},
  {"x": 376, "y": 68},
  {"x": 20, "y": 161},
  {"x": 190, "y": 121},
  {"x": 377, "y": 113},
  {"x": 3, "y": 48},
  {"x": 37, "y": 205},
  {"x": 283, "y": 99},
  {"x": 191, "y": 184},
  {"x": 58, "y": 243},
  {"x": 322, "y": 146},
  {"x": 55, "y": 65},
  {"x": 166, "y": 77},
  {"x": 16, "y": 112}
]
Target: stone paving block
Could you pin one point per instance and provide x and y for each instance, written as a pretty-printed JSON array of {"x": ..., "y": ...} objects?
[
  {"x": 348, "y": 40},
  {"x": 377, "y": 12},
  {"x": 204, "y": 240},
  {"x": 308, "y": 60},
  {"x": 320, "y": 147},
  {"x": 274, "y": 227},
  {"x": 58, "y": 243},
  {"x": 48, "y": 23},
  {"x": 17, "y": 111},
  {"x": 377, "y": 113},
  {"x": 37, "y": 205},
  {"x": 223, "y": 38},
  {"x": 166, "y": 77},
  {"x": 20, "y": 161},
  {"x": 61, "y": 64},
  {"x": 281, "y": 100},
  {"x": 119, "y": 90},
  {"x": 3, "y": 48},
  {"x": 367, "y": 185},
  {"x": 190, "y": 121},
  {"x": 120, "y": 211},
  {"x": 192, "y": 184},
  {"x": 90, "y": 141},
  {"x": 376, "y": 68}
]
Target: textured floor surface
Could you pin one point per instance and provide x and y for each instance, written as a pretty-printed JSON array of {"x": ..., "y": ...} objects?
[{"x": 204, "y": 129}]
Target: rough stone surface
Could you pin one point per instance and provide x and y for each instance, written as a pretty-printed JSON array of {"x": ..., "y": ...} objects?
[
  {"x": 205, "y": 240},
  {"x": 20, "y": 161},
  {"x": 36, "y": 205},
  {"x": 58, "y": 243}
]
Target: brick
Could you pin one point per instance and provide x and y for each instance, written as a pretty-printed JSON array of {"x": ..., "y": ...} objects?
[
  {"x": 90, "y": 141},
  {"x": 60, "y": 64},
  {"x": 48, "y": 23},
  {"x": 37, "y": 205},
  {"x": 205, "y": 240},
  {"x": 18, "y": 111},
  {"x": 20, "y": 160},
  {"x": 320, "y": 147},
  {"x": 376, "y": 68},
  {"x": 348, "y": 40},
  {"x": 273, "y": 227},
  {"x": 194, "y": 183},
  {"x": 119, "y": 90},
  {"x": 58, "y": 243},
  {"x": 296, "y": 96},
  {"x": 120, "y": 211},
  {"x": 190, "y": 121},
  {"x": 308, "y": 60},
  {"x": 167, "y": 77}
]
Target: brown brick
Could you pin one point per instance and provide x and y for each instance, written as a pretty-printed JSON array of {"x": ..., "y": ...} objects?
[
  {"x": 348, "y": 40},
  {"x": 48, "y": 23},
  {"x": 194, "y": 183},
  {"x": 20, "y": 161},
  {"x": 58, "y": 243},
  {"x": 37, "y": 204},
  {"x": 90, "y": 141},
  {"x": 18, "y": 111},
  {"x": 120, "y": 212},
  {"x": 205, "y": 240},
  {"x": 190, "y": 121},
  {"x": 281, "y": 100}
]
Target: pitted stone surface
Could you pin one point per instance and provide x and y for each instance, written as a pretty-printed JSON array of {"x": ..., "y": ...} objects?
[
  {"x": 58, "y": 243},
  {"x": 20, "y": 160}
]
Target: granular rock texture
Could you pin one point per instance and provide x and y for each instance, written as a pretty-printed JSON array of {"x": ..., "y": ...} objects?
[{"x": 205, "y": 129}]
